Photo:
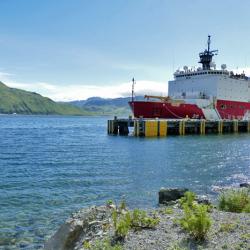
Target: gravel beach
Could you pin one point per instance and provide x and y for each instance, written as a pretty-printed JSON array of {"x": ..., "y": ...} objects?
[{"x": 228, "y": 231}]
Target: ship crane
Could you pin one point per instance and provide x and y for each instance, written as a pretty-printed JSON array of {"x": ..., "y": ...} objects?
[{"x": 164, "y": 99}]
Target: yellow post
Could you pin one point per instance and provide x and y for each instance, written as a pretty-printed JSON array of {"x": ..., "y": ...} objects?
[
  {"x": 248, "y": 126},
  {"x": 235, "y": 122},
  {"x": 163, "y": 128},
  {"x": 220, "y": 126},
  {"x": 202, "y": 127},
  {"x": 180, "y": 127},
  {"x": 151, "y": 128}
]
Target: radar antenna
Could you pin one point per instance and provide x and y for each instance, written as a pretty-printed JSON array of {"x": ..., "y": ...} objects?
[{"x": 207, "y": 56}]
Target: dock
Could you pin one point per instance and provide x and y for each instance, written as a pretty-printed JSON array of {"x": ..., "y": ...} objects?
[{"x": 142, "y": 127}]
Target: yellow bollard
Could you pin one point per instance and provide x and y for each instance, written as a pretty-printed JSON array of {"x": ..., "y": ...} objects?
[{"x": 248, "y": 126}]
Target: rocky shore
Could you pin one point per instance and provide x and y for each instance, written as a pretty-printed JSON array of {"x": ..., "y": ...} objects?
[{"x": 96, "y": 224}]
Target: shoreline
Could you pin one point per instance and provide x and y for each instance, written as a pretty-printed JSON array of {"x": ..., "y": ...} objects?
[{"x": 95, "y": 224}]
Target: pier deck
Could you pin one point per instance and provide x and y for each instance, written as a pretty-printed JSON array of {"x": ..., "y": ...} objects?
[{"x": 165, "y": 127}]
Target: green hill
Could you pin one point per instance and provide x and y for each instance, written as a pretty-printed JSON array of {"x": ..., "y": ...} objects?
[{"x": 24, "y": 102}]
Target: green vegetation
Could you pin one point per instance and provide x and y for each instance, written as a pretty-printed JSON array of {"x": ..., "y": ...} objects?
[
  {"x": 228, "y": 227},
  {"x": 109, "y": 202},
  {"x": 188, "y": 199},
  {"x": 235, "y": 200},
  {"x": 23, "y": 102},
  {"x": 140, "y": 220},
  {"x": 168, "y": 210},
  {"x": 124, "y": 220},
  {"x": 196, "y": 219},
  {"x": 102, "y": 245}
]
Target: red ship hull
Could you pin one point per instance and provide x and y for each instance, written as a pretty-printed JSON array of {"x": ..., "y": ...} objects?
[{"x": 149, "y": 109}]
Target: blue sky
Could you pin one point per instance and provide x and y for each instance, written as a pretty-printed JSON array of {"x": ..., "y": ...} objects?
[{"x": 75, "y": 49}]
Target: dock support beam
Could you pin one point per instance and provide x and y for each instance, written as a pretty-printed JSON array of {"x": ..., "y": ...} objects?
[
  {"x": 182, "y": 127},
  {"x": 220, "y": 127},
  {"x": 202, "y": 127},
  {"x": 236, "y": 126}
]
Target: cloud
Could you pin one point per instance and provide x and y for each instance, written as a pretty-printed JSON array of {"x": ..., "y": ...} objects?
[{"x": 80, "y": 92}]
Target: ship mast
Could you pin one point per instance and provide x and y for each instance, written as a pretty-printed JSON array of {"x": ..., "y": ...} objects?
[
  {"x": 207, "y": 56},
  {"x": 133, "y": 90}
]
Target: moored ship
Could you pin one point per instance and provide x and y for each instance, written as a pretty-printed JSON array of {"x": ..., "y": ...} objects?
[{"x": 202, "y": 93}]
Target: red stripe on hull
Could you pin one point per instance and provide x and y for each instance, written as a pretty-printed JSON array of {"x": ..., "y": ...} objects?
[
  {"x": 149, "y": 109},
  {"x": 226, "y": 109},
  {"x": 231, "y": 109}
]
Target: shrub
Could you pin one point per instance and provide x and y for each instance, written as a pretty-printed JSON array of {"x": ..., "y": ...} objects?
[
  {"x": 188, "y": 199},
  {"x": 122, "y": 224},
  {"x": 109, "y": 202},
  {"x": 196, "y": 221},
  {"x": 137, "y": 219},
  {"x": 140, "y": 219},
  {"x": 235, "y": 200}
]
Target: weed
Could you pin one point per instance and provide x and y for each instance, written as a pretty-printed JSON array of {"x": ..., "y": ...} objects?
[
  {"x": 188, "y": 199},
  {"x": 139, "y": 219},
  {"x": 245, "y": 236},
  {"x": 168, "y": 211},
  {"x": 109, "y": 202},
  {"x": 86, "y": 245},
  {"x": 123, "y": 205},
  {"x": 196, "y": 221},
  {"x": 122, "y": 224},
  {"x": 235, "y": 200},
  {"x": 227, "y": 227},
  {"x": 104, "y": 245}
]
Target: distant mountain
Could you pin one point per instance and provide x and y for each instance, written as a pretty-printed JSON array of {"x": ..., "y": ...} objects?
[
  {"x": 106, "y": 106},
  {"x": 19, "y": 101}
]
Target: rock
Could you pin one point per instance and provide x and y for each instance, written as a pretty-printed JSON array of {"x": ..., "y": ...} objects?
[
  {"x": 171, "y": 194},
  {"x": 203, "y": 199},
  {"x": 69, "y": 233},
  {"x": 245, "y": 185}
]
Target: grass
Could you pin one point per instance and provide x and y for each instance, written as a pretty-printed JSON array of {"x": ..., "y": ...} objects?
[
  {"x": 227, "y": 227},
  {"x": 235, "y": 200},
  {"x": 102, "y": 245}
]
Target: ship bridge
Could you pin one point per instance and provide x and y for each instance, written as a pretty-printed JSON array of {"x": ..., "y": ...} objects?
[{"x": 209, "y": 83}]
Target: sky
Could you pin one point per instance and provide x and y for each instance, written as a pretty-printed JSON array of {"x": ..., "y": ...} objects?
[{"x": 75, "y": 49}]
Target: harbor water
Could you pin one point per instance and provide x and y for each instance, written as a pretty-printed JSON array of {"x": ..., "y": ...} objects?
[{"x": 52, "y": 166}]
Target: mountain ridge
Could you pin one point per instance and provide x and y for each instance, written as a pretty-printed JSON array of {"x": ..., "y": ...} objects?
[{"x": 13, "y": 100}]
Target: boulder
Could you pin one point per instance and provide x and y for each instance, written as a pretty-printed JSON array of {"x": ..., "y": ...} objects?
[
  {"x": 245, "y": 185},
  {"x": 69, "y": 234},
  {"x": 167, "y": 195},
  {"x": 203, "y": 199}
]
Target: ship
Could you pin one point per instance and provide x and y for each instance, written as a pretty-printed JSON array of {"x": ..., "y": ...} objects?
[{"x": 202, "y": 93}]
